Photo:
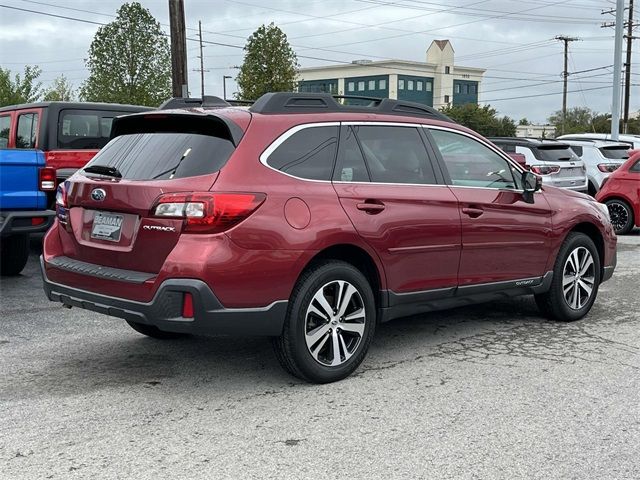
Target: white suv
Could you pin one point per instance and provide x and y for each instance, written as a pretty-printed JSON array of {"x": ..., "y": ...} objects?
[
  {"x": 601, "y": 157},
  {"x": 554, "y": 161}
]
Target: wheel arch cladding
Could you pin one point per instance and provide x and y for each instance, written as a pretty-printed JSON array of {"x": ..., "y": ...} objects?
[
  {"x": 591, "y": 231},
  {"x": 357, "y": 257}
]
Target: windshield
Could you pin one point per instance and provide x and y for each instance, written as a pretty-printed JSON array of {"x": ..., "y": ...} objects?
[
  {"x": 615, "y": 153},
  {"x": 162, "y": 156}
]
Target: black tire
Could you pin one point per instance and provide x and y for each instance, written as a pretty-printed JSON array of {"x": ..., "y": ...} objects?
[
  {"x": 592, "y": 190},
  {"x": 621, "y": 215},
  {"x": 14, "y": 253},
  {"x": 553, "y": 304},
  {"x": 291, "y": 347},
  {"x": 154, "y": 332}
]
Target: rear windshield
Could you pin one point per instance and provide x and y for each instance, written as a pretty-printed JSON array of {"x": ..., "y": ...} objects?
[
  {"x": 85, "y": 129},
  {"x": 166, "y": 155},
  {"x": 616, "y": 153},
  {"x": 556, "y": 153}
]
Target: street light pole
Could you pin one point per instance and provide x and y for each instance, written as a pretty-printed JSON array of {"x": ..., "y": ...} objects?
[
  {"x": 224, "y": 86},
  {"x": 617, "y": 71}
]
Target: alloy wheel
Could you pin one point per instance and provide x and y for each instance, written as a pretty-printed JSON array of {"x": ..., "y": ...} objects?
[
  {"x": 335, "y": 323},
  {"x": 619, "y": 215},
  {"x": 578, "y": 278}
]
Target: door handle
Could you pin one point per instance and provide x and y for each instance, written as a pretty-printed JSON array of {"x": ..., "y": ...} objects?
[
  {"x": 472, "y": 211},
  {"x": 371, "y": 206}
]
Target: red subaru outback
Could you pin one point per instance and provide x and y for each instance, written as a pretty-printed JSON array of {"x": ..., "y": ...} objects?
[{"x": 311, "y": 221}]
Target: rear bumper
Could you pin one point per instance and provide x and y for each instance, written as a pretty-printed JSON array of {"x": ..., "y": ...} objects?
[
  {"x": 19, "y": 222},
  {"x": 164, "y": 310}
]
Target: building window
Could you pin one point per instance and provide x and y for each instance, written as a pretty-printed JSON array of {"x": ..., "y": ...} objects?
[
  {"x": 446, "y": 99},
  {"x": 472, "y": 89},
  {"x": 428, "y": 86},
  {"x": 410, "y": 85},
  {"x": 361, "y": 86},
  {"x": 419, "y": 86},
  {"x": 457, "y": 88},
  {"x": 400, "y": 84},
  {"x": 382, "y": 84},
  {"x": 351, "y": 86},
  {"x": 447, "y": 70},
  {"x": 465, "y": 89},
  {"x": 372, "y": 84}
]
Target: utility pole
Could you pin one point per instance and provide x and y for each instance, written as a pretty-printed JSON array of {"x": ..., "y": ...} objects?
[
  {"x": 627, "y": 69},
  {"x": 565, "y": 75},
  {"x": 201, "y": 61},
  {"x": 177, "y": 29},
  {"x": 617, "y": 71}
]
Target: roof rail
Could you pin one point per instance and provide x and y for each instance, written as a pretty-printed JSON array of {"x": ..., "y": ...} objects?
[
  {"x": 292, "y": 102},
  {"x": 204, "y": 102}
]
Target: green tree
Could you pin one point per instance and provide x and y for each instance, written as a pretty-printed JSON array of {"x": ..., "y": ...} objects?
[
  {"x": 21, "y": 88},
  {"x": 129, "y": 60},
  {"x": 270, "y": 64},
  {"x": 577, "y": 120},
  {"x": 483, "y": 120},
  {"x": 524, "y": 121},
  {"x": 59, "y": 91}
]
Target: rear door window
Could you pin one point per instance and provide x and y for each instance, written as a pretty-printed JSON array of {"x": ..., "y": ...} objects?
[
  {"x": 26, "y": 133},
  {"x": 5, "y": 126},
  {"x": 350, "y": 166},
  {"x": 164, "y": 155},
  {"x": 395, "y": 154},
  {"x": 85, "y": 129},
  {"x": 309, "y": 153}
]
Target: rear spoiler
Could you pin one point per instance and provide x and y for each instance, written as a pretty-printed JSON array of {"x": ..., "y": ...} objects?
[{"x": 177, "y": 122}]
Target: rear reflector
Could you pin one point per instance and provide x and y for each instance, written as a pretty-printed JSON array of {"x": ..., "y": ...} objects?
[
  {"x": 47, "y": 179},
  {"x": 38, "y": 221},
  {"x": 187, "y": 305},
  {"x": 207, "y": 212}
]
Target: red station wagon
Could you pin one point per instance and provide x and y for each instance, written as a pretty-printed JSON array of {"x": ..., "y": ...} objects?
[{"x": 310, "y": 221}]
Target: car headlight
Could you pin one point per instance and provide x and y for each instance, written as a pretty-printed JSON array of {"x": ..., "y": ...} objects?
[{"x": 604, "y": 209}]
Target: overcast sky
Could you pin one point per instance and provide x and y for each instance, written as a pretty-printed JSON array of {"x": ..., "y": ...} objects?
[{"x": 513, "y": 40}]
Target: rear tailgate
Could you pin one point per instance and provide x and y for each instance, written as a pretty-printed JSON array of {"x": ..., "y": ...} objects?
[
  {"x": 110, "y": 219},
  {"x": 19, "y": 180}
]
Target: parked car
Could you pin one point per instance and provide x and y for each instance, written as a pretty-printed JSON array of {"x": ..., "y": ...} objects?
[
  {"x": 554, "y": 161},
  {"x": 601, "y": 158},
  {"x": 69, "y": 133},
  {"x": 621, "y": 193},
  {"x": 632, "y": 140},
  {"x": 24, "y": 181},
  {"x": 311, "y": 221}
]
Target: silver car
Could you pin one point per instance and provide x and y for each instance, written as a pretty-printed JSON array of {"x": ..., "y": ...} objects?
[
  {"x": 601, "y": 157},
  {"x": 554, "y": 161}
]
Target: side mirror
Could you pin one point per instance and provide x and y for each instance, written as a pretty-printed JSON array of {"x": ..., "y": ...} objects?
[{"x": 531, "y": 183}]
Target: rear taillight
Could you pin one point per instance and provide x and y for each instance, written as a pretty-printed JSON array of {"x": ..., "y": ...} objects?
[
  {"x": 47, "y": 179},
  {"x": 61, "y": 204},
  {"x": 207, "y": 212},
  {"x": 545, "y": 169},
  {"x": 608, "y": 167}
]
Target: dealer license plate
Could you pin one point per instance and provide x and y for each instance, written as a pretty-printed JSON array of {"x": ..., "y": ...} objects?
[{"x": 107, "y": 226}]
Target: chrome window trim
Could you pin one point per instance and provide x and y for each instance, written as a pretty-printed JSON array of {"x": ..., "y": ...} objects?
[{"x": 264, "y": 156}]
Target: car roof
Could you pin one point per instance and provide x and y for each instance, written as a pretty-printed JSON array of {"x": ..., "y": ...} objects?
[
  {"x": 78, "y": 105},
  {"x": 596, "y": 143},
  {"x": 527, "y": 141}
]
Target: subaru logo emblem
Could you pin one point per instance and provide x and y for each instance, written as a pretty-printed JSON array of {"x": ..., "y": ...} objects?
[{"x": 98, "y": 194}]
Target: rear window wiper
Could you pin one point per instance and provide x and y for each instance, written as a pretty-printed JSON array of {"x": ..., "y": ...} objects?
[{"x": 103, "y": 170}]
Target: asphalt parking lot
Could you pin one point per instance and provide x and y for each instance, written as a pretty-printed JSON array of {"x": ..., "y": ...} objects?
[{"x": 491, "y": 391}]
